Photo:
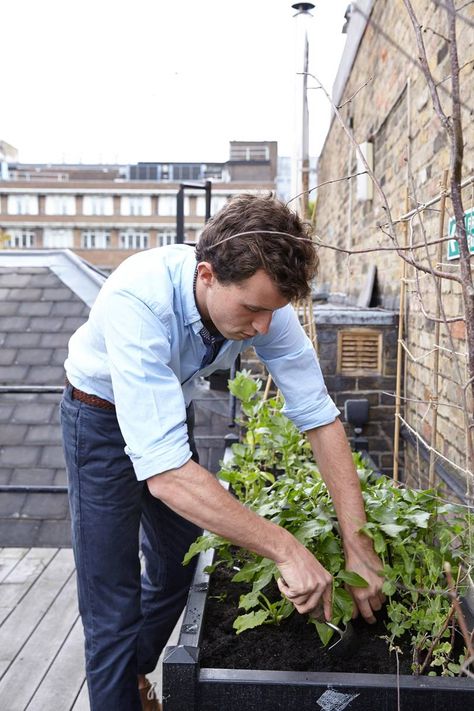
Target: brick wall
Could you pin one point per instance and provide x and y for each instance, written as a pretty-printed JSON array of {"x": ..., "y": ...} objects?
[{"x": 395, "y": 112}]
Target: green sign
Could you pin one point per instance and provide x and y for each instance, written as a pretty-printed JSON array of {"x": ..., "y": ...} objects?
[{"x": 453, "y": 244}]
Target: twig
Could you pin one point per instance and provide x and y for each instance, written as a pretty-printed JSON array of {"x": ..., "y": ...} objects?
[
  {"x": 326, "y": 182},
  {"x": 436, "y": 639},
  {"x": 348, "y": 101},
  {"x": 459, "y": 613},
  {"x": 381, "y": 249}
]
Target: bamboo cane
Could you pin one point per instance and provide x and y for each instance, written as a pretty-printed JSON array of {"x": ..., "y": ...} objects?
[
  {"x": 398, "y": 385},
  {"x": 435, "y": 394}
]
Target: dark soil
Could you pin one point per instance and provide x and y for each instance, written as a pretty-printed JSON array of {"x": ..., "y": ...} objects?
[{"x": 292, "y": 646}]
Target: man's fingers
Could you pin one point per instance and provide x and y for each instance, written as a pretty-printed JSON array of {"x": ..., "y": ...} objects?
[
  {"x": 327, "y": 602},
  {"x": 308, "y": 602}
]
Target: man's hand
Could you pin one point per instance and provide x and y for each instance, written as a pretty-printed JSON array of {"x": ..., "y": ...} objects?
[
  {"x": 367, "y": 564},
  {"x": 305, "y": 582}
]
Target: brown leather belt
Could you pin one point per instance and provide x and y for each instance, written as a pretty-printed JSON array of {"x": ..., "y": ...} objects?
[{"x": 93, "y": 400}]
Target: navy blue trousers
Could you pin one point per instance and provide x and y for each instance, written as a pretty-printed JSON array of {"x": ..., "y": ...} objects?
[{"x": 127, "y": 617}]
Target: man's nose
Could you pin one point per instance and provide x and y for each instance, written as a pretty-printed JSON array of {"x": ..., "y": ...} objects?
[{"x": 261, "y": 322}]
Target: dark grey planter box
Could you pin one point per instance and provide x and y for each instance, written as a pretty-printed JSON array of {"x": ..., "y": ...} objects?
[{"x": 189, "y": 687}]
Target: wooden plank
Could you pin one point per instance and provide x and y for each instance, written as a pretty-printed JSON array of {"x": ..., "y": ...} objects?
[
  {"x": 22, "y": 576},
  {"x": 9, "y": 558},
  {"x": 19, "y": 625},
  {"x": 38, "y": 653},
  {"x": 82, "y": 701},
  {"x": 63, "y": 682}
]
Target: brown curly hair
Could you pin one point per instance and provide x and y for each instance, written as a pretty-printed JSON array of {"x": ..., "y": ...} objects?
[{"x": 254, "y": 232}]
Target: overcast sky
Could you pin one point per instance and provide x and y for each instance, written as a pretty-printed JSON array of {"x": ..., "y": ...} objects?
[{"x": 172, "y": 80}]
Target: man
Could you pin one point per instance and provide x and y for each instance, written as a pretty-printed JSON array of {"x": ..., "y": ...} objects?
[{"x": 163, "y": 317}]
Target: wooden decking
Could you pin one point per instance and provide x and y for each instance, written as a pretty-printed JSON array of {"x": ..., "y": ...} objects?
[{"x": 41, "y": 638}]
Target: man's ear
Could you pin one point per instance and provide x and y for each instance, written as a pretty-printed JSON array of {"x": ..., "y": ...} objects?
[{"x": 206, "y": 273}]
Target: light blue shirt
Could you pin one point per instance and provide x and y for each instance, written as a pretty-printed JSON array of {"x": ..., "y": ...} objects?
[{"x": 141, "y": 349}]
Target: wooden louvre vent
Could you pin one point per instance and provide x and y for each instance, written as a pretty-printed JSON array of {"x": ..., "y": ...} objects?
[{"x": 359, "y": 351}]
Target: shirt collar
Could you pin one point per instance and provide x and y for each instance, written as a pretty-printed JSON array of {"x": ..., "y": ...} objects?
[{"x": 191, "y": 314}]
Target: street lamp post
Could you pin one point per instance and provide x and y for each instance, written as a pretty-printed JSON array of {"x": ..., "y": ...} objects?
[{"x": 300, "y": 161}]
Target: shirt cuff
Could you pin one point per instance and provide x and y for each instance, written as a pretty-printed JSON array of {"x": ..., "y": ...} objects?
[
  {"x": 326, "y": 413},
  {"x": 171, "y": 453}
]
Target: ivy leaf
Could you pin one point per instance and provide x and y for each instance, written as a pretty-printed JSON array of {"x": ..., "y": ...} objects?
[
  {"x": 392, "y": 529},
  {"x": 389, "y": 588},
  {"x": 353, "y": 579},
  {"x": 203, "y": 543},
  {"x": 251, "y": 599},
  {"x": 343, "y": 604},
  {"x": 421, "y": 518},
  {"x": 244, "y": 387},
  {"x": 324, "y": 632},
  {"x": 251, "y": 620}
]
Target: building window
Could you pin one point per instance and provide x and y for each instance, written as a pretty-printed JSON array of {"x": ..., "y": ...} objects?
[
  {"x": 60, "y": 205},
  {"x": 165, "y": 237},
  {"x": 167, "y": 205},
  {"x": 132, "y": 239},
  {"x": 22, "y": 205},
  {"x": 98, "y": 205},
  {"x": 22, "y": 239},
  {"x": 62, "y": 238},
  {"x": 95, "y": 239},
  {"x": 135, "y": 205},
  {"x": 217, "y": 203}
]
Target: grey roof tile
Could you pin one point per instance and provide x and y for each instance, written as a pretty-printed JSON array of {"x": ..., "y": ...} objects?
[
  {"x": 11, "y": 504},
  {"x": 69, "y": 308},
  {"x": 22, "y": 533},
  {"x": 45, "y": 375},
  {"x": 44, "y": 324},
  {"x": 56, "y": 294},
  {"x": 13, "y": 433},
  {"x": 5, "y": 476},
  {"x": 54, "y": 533},
  {"x": 60, "y": 478},
  {"x": 45, "y": 506},
  {"x": 39, "y": 308},
  {"x": 26, "y": 294},
  {"x": 72, "y": 323},
  {"x": 13, "y": 374},
  {"x": 31, "y": 476},
  {"x": 22, "y": 340},
  {"x": 59, "y": 356},
  {"x": 4, "y": 293},
  {"x": 14, "y": 324},
  {"x": 55, "y": 340},
  {"x": 7, "y": 356},
  {"x": 6, "y": 410},
  {"x": 52, "y": 456},
  {"x": 39, "y": 356},
  {"x": 19, "y": 456},
  {"x": 35, "y": 412},
  {"x": 9, "y": 308},
  {"x": 13, "y": 279},
  {"x": 42, "y": 434}
]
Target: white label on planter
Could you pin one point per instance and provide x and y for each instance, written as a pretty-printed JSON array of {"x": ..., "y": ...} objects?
[{"x": 334, "y": 701}]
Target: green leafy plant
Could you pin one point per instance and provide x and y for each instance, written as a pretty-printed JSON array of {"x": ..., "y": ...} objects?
[{"x": 414, "y": 532}]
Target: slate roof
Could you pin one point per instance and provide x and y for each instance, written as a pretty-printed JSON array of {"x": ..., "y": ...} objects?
[{"x": 44, "y": 297}]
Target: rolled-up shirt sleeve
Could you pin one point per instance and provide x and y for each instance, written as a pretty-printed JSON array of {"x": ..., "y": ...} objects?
[
  {"x": 291, "y": 360},
  {"x": 147, "y": 392}
]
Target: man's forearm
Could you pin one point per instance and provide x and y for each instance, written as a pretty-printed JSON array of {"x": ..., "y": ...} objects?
[
  {"x": 195, "y": 494},
  {"x": 333, "y": 455},
  {"x": 192, "y": 492}
]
